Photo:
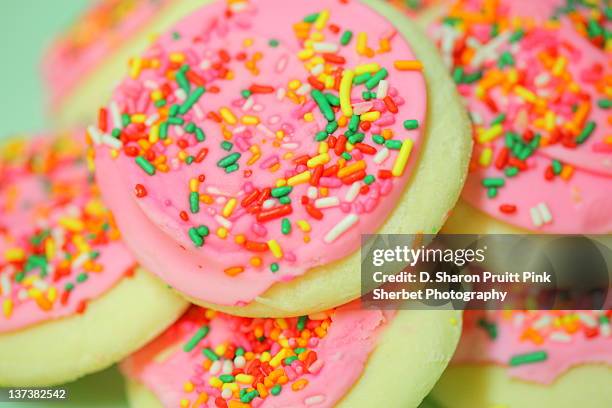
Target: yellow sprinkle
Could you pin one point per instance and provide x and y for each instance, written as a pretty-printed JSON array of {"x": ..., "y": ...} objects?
[
  {"x": 490, "y": 134},
  {"x": 265, "y": 357},
  {"x": 135, "y": 67},
  {"x": 275, "y": 249},
  {"x": 321, "y": 20},
  {"x": 345, "y": 93},
  {"x": 14, "y": 255},
  {"x": 549, "y": 121},
  {"x": 231, "y": 386},
  {"x": 229, "y": 207},
  {"x": 303, "y": 177},
  {"x": 308, "y": 117},
  {"x": 215, "y": 382},
  {"x": 156, "y": 95},
  {"x": 188, "y": 386},
  {"x": 370, "y": 116},
  {"x": 485, "y": 157},
  {"x": 294, "y": 84},
  {"x": 278, "y": 358},
  {"x": 303, "y": 225},
  {"x": 305, "y": 54},
  {"x": 194, "y": 185},
  {"x": 154, "y": 134},
  {"x": 228, "y": 116},
  {"x": 7, "y": 307},
  {"x": 322, "y": 158},
  {"x": 559, "y": 66},
  {"x": 402, "y": 158},
  {"x": 202, "y": 399},
  {"x": 52, "y": 294},
  {"x": 362, "y": 69},
  {"x": 323, "y": 147},
  {"x": 250, "y": 120},
  {"x": 184, "y": 403},
  {"x": 408, "y": 65},
  {"x": 566, "y": 172},
  {"x": 177, "y": 57},
  {"x": 221, "y": 349},
  {"x": 362, "y": 43},
  {"x": 72, "y": 224},
  {"x": 244, "y": 378},
  {"x": 525, "y": 93},
  {"x": 351, "y": 168},
  {"x": 222, "y": 232}
]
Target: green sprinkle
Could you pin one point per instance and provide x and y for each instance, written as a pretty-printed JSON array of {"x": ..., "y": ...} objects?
[
  {"x": 229, "y": 160},
  {"x": 458, "y": 75},
  {"x": 176, "y": 121},
  {"x": 196, "y": 338},
  {"x": 286, "y": 226},
  {"x": 489, "y": 327},
  {"x": 301, "y": 323},
  {"x": 231, "y": 168},
  {"x": 369, "y": 179},
  {"x": 227, "y": 146},
  {"x": 163, "y": 130},
  {"x": 517, "y": 35},
  {"x": 556, "y": 166},
  {"x": 332, "y": 99},
  {"x": 274, "y": 267},
  {"x": 353, "y": 124},
  {"x": 69, "y": 286},
  {"x": 492, "y": 192},
  {"x": 528, "y": 358},
  {"x": 604, "y": 103},
  {"x": 525, "y": 153},
  {"x": 299, "y": 350},
  {"x": 281, "y": 191},
  {"x": 247, "y": 397},
  {"x": 160, "y": 103},
  {"x": 493, "y": 182},
  {"x": 346, "y": 155},
  {"x": 191, "y": 100},
  {"x": 194, "y": 202},
  {"x": 473, "y": 77},
  {"x": 273, "y": 43},
  {"x": 203, "y": 230},
  {"x": 411, "y": 124},
  {"x": 189, "y": 159},
  {"x": 362, "y": 78},
  {"x": 144, "y": 164},
  {"x": 245, "y": 93},
  {"x": 125, "y": 119},
  {"x": 511, "y": 171},
  {"x": 323, "y": 104},
  {"x": 321, "y": 136},
  {"x": 19, "y": 276},
  {"x": 290, "y": 360},
  {"x": 174, "y": 110},
  {"x": 366, "y": 95},
  {"x": 284, "y": 200},
  {"x": 311, "y": 18},
  {"x": 393, "y": 144},
  {"x": 276, "y": 389},
  {"x": 587, "y": 131},
  {"x": 510, "y": 139},
  {"x": 356, "y": 138},
  {"x": 331, "y": 127},
  {"x": 200, "y": 136},
  {"x": 498, "y": 119},
  {"x": 211, "y": 355},
  {"x": 116, "y": 132},
  {"x": 378, "y": 139},
  {"x": 346, "y": 37},
  {"x": 181, "y": 79},
  {"x": 227, "y": 378},
  {"x": 195, "y": 237},
  {"x": 190, "y": 127},
  {"x": 376, "y": 78},
  {"x": 176, "y": 35},
  {"x": 240, "y": 351}
]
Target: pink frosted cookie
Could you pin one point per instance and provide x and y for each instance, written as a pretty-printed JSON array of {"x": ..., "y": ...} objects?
[
  {"x": 245, "y": 155},
  {"x": 339, "y": 358},
  {"x": 64, "y": 273},
  {"x": 534, "y": 358},
  {"x": 539, "y": 97}
]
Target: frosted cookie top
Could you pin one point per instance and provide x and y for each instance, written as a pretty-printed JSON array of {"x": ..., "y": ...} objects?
[
  {"x": 260, "y": 147},
  {"x": 92, "y": 37},
  {"x": 539, "y": 97},
  {"x": 214, "y": 359},
  {"x": 536, "y": 346},
  {"x": 59, "y": 246}
]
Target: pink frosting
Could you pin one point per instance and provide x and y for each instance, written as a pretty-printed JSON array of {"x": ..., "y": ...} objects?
[
  {"x": 91, "y": 39},
  {"x": 153, "y": 225},
  {"x": 569, "y": 338},
  {"x": 45, "y": 185},
  {"x": 344, "y": 351},
  {"x": 579, "y": 203}
]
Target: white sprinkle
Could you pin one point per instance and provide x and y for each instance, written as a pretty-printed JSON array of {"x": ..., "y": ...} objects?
[
  {"x": 111, "y": 142},
  {"x": 227, "y": 393},
  {"x": 280, "y": 94},
  {"x": 542, "y": 79},
  {"x": 312, "y": 192},
  {"x": 239, "y": 362},
  {"x": 604, "y": 330},
  {"x": 560, "y": 337},
  {"x": 317, "y": 69},
  {"x": 238, "y": 6},
  {"x": 587, "y": 319},
  {"x": 238, "y": 129},
  {"x": 224, "y": 222},
  {"x": 80, "y": 260},
  {"x": 5, "y": 282},
  {"x": 198, "y": 111},
  {"x": 180, "y": 94},
  {"x": 340, "y": 228},
  {"x": 304, "y": 89},
  {"x": 40, "y": 285},
  {"x": 545, "y": 212},
  {"x": 381, "y": 155},
  {"x": 205, "y": 64},
  {"x": 248, "y": 104},
  {"x": 215, "y": 367},
  {"x": 152, "y": 119},
  {"x": 383, "y": 88},
  {"x": 228, "y": 367},
  {"x": 269, "y": 203},
  {"x": 178, "y": 130},
  {"x": 282, "y": 63},
  {"x": 325, "y": 47},
  {"x": 22, "y": 294},
  {"x": 476, "y": 118},
  {"x": 96, "y": 135},
  {"x": 536, "y": 218},
  {"x": 362, "y": 107},
  {"x": 314, "y": 400},
  {"x": 149, "y": 84},
  {"x": 327, "y": 202},
  {"x": 542, "y": 322},
  {"x": 290, "y": 146},
  {"x": 116, "y": 115},
  {"x": 264, "y": 129},
  {"x": 352, "y": 192}
]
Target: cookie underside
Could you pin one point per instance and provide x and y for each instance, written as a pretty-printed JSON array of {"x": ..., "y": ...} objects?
[
  {"x": 114, "y": 325},
  {"x": 411, "y": 354}
]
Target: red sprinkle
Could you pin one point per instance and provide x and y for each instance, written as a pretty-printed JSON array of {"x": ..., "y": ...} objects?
[
  {"x": 507, "y": 208},
  {"x": 140, "y": 191}
]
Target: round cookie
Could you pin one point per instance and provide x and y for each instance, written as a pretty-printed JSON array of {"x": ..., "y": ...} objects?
[
  {"x": 83, "y": 62},
  {"x": 73, "y": 299},
  {"x": 537, "y": 94},
  {"x": 525, "y": 359},
  {"x": 345, "y": 357},
  {"x": 248, "y": 193}
]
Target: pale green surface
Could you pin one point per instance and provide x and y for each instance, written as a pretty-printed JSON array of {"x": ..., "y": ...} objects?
[{"x": 26, "y": 27}]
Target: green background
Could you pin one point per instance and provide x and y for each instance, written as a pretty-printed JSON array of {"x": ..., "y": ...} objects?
[{"x": 26, "y": 29}]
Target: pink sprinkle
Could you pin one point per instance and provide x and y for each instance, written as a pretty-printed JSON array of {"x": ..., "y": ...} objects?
[
  {"x": 316, "y": 366},
  {"x": 259, "y": 229},
  {"x": 330, "y": 182},
  {"x": 345, "y": 207}
]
